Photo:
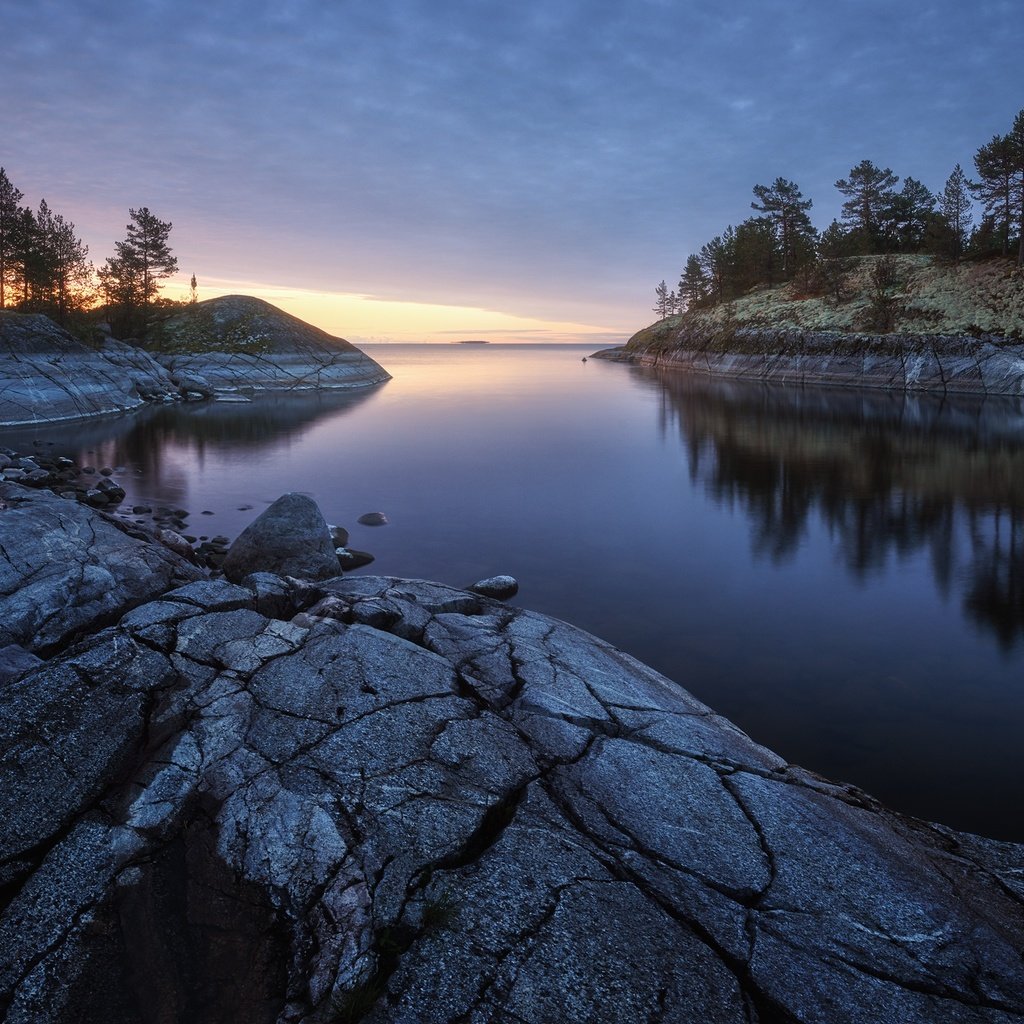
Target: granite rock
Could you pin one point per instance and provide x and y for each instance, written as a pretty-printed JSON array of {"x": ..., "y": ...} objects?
[
  {"x": 290, "y": 538},
  {"x": 390, "y": 800}
]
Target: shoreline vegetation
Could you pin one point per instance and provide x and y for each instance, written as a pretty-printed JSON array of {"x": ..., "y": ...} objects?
[{"x": 904, "y": 291}]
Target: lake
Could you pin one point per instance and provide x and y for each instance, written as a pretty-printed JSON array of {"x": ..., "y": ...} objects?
[{"x": 839, "y": 572}]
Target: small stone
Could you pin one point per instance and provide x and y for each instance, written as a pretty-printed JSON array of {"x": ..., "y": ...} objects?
[
  {"x": 339, "y": 535},
  {"x": 107, "y": 471},
  {"x": 499, "y": 587},
  {"x": 349, "y": 558},
  {"x": 141, "y": 510},
  {"x": 373, "y": 519},
  {"x": 96, "y": 498}
]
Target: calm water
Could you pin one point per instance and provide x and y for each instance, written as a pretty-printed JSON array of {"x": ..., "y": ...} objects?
[{"x": 840, "y": 573}]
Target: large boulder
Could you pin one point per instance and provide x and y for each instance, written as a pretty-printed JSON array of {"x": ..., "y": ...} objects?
[
  {"x": 290, "y": 538},
  {"x": 389, "y": 800}
]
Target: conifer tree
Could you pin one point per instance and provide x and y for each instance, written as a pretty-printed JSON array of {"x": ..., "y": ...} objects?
[
  {"x": 693, "y": 284},
  {"x": 130, "y": 279},
  {"x": 955, "y": 208},
  {"x": 10, "y": 213},
  {"x": 786, "y": 208},
  {"x": 869, "y": 191},
  {"x": 994, "y": 163},
  {"x": 661, "y": 302}
]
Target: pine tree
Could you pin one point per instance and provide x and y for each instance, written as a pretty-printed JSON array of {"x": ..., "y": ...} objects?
[
  {"x": 907, "y": 217},
  {"x": 130, "y": 279},
  {"x": 955, "y": 208},
  {"x": 786, "y": 208},
  {"x": 718, "y": 259},
  {"x": 869, "y": 191},
  {"x": 1016, "y": 139},
  {"x": 61, "y": 272},
  {"x": 10, "y": 213},
  {"x": 994, "y": 163},
  {"x": 693, "y": 285},
  {"x": 661, "y": 304},
  {"x": 193, "y": 291}
]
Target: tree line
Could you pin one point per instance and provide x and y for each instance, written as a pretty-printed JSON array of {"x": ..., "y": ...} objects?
[
  {"x": 781, "y": 244},
  {"x": 45, "y": 266}
]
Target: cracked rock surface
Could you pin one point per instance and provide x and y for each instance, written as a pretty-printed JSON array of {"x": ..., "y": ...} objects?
[
  {"x": 389, "y": 800},
  {"x": 46, "y": 374}
]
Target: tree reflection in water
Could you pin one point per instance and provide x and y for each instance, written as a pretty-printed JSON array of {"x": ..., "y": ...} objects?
[{"x": 890, "y": 474}]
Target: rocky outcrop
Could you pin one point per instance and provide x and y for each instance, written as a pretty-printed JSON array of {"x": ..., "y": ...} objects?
[
  {"x": 388, "y": 800},
  {"x": 46, "y": 374},
  {"x": 987, "y": 365},
  {"x": 224, "y": 348},
  {"x": 238, "y": 343},
  {"x": 64, "y": 570}
]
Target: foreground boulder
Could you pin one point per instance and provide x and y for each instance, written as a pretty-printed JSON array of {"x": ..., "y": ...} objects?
[
  {"x": 389, "y": 800},
  {"x": 291, "y": 538}
]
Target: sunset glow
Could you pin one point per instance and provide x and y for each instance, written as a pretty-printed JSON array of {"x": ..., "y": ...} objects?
[{"x": 363, "y": 318}]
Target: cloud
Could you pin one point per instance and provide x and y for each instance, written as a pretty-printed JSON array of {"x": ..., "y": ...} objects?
[{"x": 548, "y": 157}]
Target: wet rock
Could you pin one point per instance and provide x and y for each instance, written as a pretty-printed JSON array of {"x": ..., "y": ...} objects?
[
  {"x": 15, "y": 662},
  {"x": 290, "y": 538},
  {"x": 392, "y": 800},
  {"x": 350, "y": 558},
  {"x": 67, "y": 569},
  {"x": 461, "y": 811},
  {"x": 373, "y": 519},
  {"x": 499, "y": 587},
  {"x": 339, "y": 535}
]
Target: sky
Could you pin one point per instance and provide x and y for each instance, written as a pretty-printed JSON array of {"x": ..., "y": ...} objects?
[{"x": 433, "y": 170}]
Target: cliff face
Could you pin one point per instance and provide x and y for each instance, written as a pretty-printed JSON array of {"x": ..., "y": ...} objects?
[
  {"x": 381, "y": 799},
  {"x": 946, "y": 328}
]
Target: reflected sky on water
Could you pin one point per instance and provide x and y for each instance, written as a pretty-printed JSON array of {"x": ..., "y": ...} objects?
[{"x": 839, "y": 572}]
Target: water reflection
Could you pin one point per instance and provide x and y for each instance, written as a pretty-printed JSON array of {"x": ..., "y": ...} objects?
[
  {"x": 165, "y": 444},
  {"x": 890, "y": 475}
]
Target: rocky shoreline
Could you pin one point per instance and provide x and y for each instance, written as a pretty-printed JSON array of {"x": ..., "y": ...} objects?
[
  {"x": 48, "y": 376},
  {"x": 986, "y": 365},
  {"x": 332, "y": 798}
]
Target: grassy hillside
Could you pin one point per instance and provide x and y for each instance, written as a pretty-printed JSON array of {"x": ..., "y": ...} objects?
[{"x": 925, "y": 296}]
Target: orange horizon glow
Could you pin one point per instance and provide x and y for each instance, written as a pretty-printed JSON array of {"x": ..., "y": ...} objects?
[{"x": 363, "y": 319}]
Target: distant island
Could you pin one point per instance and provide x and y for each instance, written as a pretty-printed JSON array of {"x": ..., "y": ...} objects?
[{"x": 471, "y": 341}]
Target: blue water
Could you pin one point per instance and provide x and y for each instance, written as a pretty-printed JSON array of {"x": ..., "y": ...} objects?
[{"x": 840, "y": 573}]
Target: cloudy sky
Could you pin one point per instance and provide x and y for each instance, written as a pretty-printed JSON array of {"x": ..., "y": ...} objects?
[{"x": 431, "y": 169}]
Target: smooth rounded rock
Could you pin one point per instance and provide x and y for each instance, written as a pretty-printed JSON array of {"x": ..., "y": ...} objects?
[
  {"x": 290, "y": 538},
  {"x": 499, "y": 587},
  {"x": 373, "y": 519}
]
